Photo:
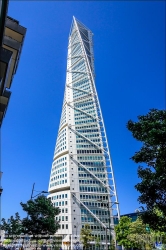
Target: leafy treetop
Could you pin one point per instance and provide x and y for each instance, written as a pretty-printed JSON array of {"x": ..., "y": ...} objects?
[
  {"x": 151, "y": 131},
  {"x": 13, "y": 226},
  {"x": 122, "y": 232},
  {"x": 41, "y": 216},
  {"x": 86, "y": 235}
]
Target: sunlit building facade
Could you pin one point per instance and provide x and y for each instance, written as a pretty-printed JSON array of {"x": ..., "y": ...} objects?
[{"x": 82, "y": 181}]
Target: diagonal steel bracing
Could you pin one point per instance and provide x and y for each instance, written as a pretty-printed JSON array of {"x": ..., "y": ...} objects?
[
  {"x": 76, "y": 71},
  {"x": 72, "y": 44},
  {"x": 79, "y": 164},
  {"x": 75, "y": 62},
  {"x": 103, "y": 225},
  {"x": 94, "y": 117},
  {"x": 76, "y": 132},
  {"x": 81, "y": 90},
  {"x": 76, "y": 56}
]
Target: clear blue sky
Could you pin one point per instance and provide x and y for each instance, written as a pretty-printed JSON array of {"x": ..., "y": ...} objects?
[{"x": 129, "y": 49}]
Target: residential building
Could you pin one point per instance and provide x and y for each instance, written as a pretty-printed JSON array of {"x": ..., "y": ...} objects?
[
  {"x": 12, "y": 39},
  {"x": 82, "y": 182}
]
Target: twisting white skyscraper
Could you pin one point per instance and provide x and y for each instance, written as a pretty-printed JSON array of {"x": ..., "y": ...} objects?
[{"x": 82, "y": 181}]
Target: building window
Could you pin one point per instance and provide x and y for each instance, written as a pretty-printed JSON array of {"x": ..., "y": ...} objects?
[
  {"x": 62, "y": 226},
  {"x": 66, "y": 218},
  {"x": 66, "y": 226}
]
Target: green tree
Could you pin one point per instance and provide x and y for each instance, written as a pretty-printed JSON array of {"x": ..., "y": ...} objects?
[
  {"x": 151, "y": 131},
  {"x": 97, "y": 241},
  {"x": 122, "y": 231},
  {"x": 40, "y": 242},
  {"x": 139, "y": 235},
  {"x": 158, "y": 236},
  {"x": 6, "y": 227},
  {"x": 41, "y": 217},
  {"x": 86, "y": 236},
  {"x": 13, "y": 226},
  {"x": 112, "y": 244},
  {"x": 7, "y": 241}
]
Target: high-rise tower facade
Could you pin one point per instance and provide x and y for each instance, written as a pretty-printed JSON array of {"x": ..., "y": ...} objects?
[{"x": 82, "y": 181}]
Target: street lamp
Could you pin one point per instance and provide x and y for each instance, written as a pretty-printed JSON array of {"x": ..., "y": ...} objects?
[{"x": 40, "y": 192}]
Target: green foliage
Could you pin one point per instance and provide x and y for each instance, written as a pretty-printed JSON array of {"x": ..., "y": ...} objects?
[
  {"x": 40, "y": 242},
  {"x": 155, "y": 218},
  {"x": 97, "y": 241},
  {"x": 138, "y": 227},
  {"x": 112, "y": 245},
  {"x": 139, "y": 235},
  {"x": 7, "y": 241},
  {"x": 122, "y": 232},
  {"x": 41, "y": 217},
  {"x": 86, "y": 236},
  {"x": 151, "y": 131},
  {"x": 158, "y": 236},
  {"x": 5, "y": 226},
  {"x": 133, "y": 234},
  {"x": 13, "y": 226}
]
